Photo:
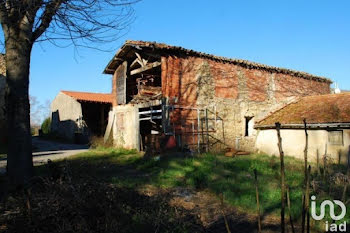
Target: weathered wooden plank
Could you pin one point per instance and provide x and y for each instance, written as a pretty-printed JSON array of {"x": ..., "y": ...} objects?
[
  {"x": 145, "y": 68},
  {"x": 109, "y": 126},
  {"x": 121, "y": 83}
]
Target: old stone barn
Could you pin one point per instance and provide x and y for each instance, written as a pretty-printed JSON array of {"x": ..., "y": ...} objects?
[
  {"x": 204, "y": 102},
  {"x": 76, "y": 116}
]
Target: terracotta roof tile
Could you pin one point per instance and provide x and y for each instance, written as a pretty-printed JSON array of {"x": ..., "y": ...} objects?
[
  {"x": 90, "y": 97},
  {"x": 170, "y": 48},
  {"x": 332, "y": 108}
]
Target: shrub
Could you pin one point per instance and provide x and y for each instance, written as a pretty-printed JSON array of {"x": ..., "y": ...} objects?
[{"x": 46, "y": 126}]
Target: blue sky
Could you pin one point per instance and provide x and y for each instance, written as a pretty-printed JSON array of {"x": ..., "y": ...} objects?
[{"x": 311, "y": 36}]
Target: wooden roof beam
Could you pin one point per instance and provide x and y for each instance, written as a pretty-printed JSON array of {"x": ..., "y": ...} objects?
[{"x": 145, "y": 68}]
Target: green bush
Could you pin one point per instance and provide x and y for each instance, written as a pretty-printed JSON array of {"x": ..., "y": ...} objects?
[{"x": 46, "y": 126}]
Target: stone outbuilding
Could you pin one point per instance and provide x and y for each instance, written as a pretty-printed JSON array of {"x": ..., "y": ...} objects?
[
  {"x": 76, "y": 116},
  {"x": 328, "y": 126},
  {"x": 204, "y": 102}
]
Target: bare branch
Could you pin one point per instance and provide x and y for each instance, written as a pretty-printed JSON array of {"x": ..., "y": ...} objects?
[
  {"x": 46, "y": 18},
  {"x": 3, "y": 12}
]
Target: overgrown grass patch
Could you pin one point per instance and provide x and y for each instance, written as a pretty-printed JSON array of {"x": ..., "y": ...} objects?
[{"x": 232, "y": 177}]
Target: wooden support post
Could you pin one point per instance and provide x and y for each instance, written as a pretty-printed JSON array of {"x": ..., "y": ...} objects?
[
  {"x": 303, "y": 214},
  {"x": 304, "y": 211},
  {"x": 349, "y": 159},
  {"x": 325, "y": 162},
  {"x": 290, "y": 212},
  {"x": 102, "y": 122},
  {"x": 193, "y": 141},
  {"x": 318, "y": 161},
  {"x": 344, "y": 196},
  {"x": 198, "y": 125},
  {"x": 257, "y": 200},
  {"x": 223, "y": 131},
  {"x": 223, "y": 213},
  {"x": 344, "y": 193},
  {"x": 305, "y": 150},
  {"x": 283, "y": 195},
  {"x": 307, "y": 200},
  {"x": 202, "y": 128},
  {"x": 207, "y": 129},
  {"x": 215, "y": 116}
]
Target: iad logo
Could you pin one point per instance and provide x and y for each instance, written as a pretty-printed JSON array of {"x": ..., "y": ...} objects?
[{"x": 333, "y": 227}]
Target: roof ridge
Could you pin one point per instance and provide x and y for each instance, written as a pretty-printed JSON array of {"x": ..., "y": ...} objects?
[
  {"x": 233, "y": 60},
  {"x": 86, "y": 92},
  {"x": 89, "y": 96}
]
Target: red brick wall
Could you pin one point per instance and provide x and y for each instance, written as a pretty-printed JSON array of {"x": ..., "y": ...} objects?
[
  {"x": 226, "y": 80},
  {"x": 234, "y": 91},
  {"x": 287, "y": 85},
  {"x": 179, "y": 79}
]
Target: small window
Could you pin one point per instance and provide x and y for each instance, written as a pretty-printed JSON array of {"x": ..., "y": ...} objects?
[
  {"x": 248, "y": 126},
  {"x": 335, "y": 137}
]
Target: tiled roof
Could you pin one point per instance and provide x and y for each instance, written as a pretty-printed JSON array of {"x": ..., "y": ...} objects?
[
  {"x": 90, "y": 97},
  {"x": 321, "y": 109},
  {"x": 171, "y": 49}
]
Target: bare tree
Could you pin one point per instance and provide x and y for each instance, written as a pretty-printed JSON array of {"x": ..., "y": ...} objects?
[
  {"x": 38, "y": 111},
  {"x": 25, "y": 22},
  {"x": 35, "y": 111}
]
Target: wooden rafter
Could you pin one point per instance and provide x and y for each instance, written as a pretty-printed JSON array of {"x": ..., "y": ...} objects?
[
  {"x": 139, "y": 60},
  {"x": 145, "y": 68}
]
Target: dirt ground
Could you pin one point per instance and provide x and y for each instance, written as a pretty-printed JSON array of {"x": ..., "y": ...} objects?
[{"x": 209, "y": 209}]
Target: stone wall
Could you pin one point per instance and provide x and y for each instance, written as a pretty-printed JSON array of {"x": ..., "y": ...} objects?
[
  {"x": 126, "y": 127},
  {"x": 235, "y": 92},
  {"x": 65, "y": 113}
]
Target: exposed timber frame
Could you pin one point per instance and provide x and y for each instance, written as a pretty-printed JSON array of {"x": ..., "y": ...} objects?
[{"x": 145, "y": 68}]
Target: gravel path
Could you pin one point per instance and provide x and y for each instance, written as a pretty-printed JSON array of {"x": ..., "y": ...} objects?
[{"x": 45, "y": 149}]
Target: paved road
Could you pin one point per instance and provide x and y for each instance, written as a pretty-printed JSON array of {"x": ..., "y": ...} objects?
[{"x": 45, "y": 149}]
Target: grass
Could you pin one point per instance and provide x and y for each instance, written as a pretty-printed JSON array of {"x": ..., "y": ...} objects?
[
  {"x": 232, "y": 177},
  {"x": 219, "y": 174}
]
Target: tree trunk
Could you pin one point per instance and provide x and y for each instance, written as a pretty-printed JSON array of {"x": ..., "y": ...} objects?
[{"x": 19, "y": 159}]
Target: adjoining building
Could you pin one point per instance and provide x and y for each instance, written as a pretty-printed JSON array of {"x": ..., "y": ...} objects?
[
  {"x": 204, "y": 101},
  {"x": 328, "y": 127},
  {"x": 76, "y": 116}
]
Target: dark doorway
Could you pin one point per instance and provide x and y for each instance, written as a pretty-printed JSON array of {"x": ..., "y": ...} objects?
[{"x": 95, "y": 116}]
